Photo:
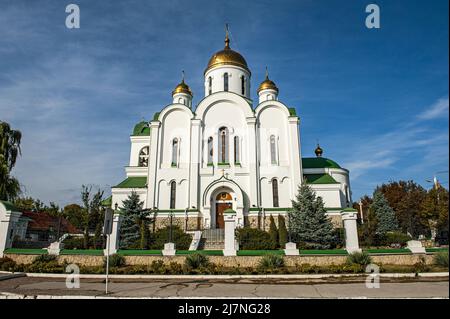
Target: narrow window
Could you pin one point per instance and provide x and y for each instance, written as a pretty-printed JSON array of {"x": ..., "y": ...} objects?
[
  {"x": 210, "y": 150},
  {"x": 223, "y": 145},
  {"x": 209, "y": 85},
  {"x": 143, "y": 157},
  {"x": 173, "y": 193},
  {"x": 175, "y": 152},
  {"x": 242, "y": 85},
  {"x": 275, "y": 193},
  {"x": 236, "y": 150},
  {"x": 273, "y": 150},
  {"x": 225, "y": 82}
]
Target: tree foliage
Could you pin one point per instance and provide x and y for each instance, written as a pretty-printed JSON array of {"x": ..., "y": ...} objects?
[
  {"x": 435, "y": 209},
  {"x": 308, "y": 222},
  {"x": 273, "y": 231},
  {"x": 92, "y": 214},
  {"x": 282, "y": 231},
  {"x": 406, "y": 199},
  {"x": 9, "y": 151},
  {"x": 135, "y": 228},
  {"x": 384, "y": 214}
]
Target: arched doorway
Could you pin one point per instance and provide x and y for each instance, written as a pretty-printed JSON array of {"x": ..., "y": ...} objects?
[{"x": 223, "y": 201}]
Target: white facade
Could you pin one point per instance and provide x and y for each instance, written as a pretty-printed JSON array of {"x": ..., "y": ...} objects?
[{"x": 227, "y": 152}]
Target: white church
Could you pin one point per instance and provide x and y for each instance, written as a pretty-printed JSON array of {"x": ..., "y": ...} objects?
[{"x": 193, "y": 163}]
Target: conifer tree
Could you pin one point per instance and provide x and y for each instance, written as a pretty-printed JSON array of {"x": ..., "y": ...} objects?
[
  {"x": 282, "y": 231},
  {"x": 273, "y": 232},
  {"x": 308, "y": 222},
  {"x": 134, "y": 230},
  {"x": 385, "y": 216}
]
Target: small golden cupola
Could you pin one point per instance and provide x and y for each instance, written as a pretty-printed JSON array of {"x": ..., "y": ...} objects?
[
  {"x": 318, "y": 151},
  {"x": 182, "y": 93},
  {"x": 267, "y": 90}
]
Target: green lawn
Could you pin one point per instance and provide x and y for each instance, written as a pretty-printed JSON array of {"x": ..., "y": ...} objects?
[
  {"x": 91, "y": 252},
  {"x": 388, "y": 251},
  {"x": 323, "y": 252},
  {"x": 26, "y": 251},
  {"x": 434, "y": 250},
  {"x": 204, "y": 252},
  {"x": 139, "y": 252},
  {"x": 259, "y": 252}
]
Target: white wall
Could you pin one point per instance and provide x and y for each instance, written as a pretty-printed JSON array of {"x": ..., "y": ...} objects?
[{"x": 234, "y": 80}]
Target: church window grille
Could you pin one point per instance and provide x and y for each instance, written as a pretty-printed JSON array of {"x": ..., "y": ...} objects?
[
  {"x": 275, "y": 193},
  {"x": 223, "y": 145},
  {"x": 143, "y": 156},
  {"x": 210, "y": 150},
  {"x": 173, "y": 190},
  {"x": 273, "y": 150},
  {"x": 209, "y": 85},
  {"x": 236, "y": 150},
  {"x": 175, "y": 145},
  {"x": 225, "y": 82}
]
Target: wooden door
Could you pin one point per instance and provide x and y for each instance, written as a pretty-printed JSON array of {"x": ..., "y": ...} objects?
[{"x": 220, "y": 208}]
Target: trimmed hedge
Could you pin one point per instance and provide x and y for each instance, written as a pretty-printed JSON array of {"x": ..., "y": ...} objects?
[{"x": 255, "y": 239}]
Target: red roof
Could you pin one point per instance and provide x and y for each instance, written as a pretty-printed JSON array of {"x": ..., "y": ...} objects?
[{"x": 42, "y": 221}]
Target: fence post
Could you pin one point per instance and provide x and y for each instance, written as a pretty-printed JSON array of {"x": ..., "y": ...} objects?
[
  {"x": 351, "y": 231},
  {"x": 8, "y": 217},
  {"x": 113, "y": 244},
  {"x": 230, "y": 228}
]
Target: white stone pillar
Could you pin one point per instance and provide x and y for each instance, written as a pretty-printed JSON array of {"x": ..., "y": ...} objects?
[
  {"x": 153, "y": 163},
  {"x": 295, "y": 155},
  {"x": 7, "y": 220},
  {"x": 252, "y": 160},
  {"x": 349, "y": 218},
  {"x": 196, "y": 148},
  {"x": 230, "y": 227},
  {"x": 114, "y": 237}
]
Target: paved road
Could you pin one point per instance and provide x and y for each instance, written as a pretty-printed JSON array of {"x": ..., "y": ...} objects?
[{"x": 227, "y": 288}]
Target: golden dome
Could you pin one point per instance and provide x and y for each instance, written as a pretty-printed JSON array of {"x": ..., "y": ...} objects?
[
  {"x": 267, "y": 84},
  {"x": 182, "y": 88},
  {"x": 227, "y": 57},
  {"x": 318, "y": 151}
]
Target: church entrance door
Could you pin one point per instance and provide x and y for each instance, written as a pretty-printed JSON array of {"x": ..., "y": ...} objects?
[{"x": 223, "y": 202}]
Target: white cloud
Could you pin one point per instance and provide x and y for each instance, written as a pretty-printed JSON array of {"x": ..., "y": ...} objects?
[{"x": 436, "y": 110}]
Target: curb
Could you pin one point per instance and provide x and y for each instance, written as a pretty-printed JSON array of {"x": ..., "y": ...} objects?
[{"x": 306, "y": 276}]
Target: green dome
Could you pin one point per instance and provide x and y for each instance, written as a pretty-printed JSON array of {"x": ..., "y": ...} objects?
[
  {"x": 318, "y": 162},
  {"x": 141, "y": 129}
]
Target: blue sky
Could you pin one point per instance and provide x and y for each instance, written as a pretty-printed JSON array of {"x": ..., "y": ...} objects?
[{"x": 377, "y": 100}]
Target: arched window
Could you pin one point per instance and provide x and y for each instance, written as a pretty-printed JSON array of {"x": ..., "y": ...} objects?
[
  {"x": 175, "y": 152},
  {"x": 173, "y": 194},
  {"x": 242, "y": 85},
  {"x": 225, "y": 82},
  {"x": 223, "y": 145},
  {"x": 236, "y": 150},
  {"x": 209, "y": 85},
  {"x": 143, "y": 156},
  {"x": 273, "y": 150},
  {"x": 275, "y": 193},
  {"x": 210, "y": 150}
]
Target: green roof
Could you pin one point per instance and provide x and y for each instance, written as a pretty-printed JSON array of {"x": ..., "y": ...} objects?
[
  {"x": 318, "y": 162},
  {"x": 9, "y": 206},
  {"x": 133, "y": 182},
  {"x": 141, "y": 129},
  {"x": 292, "y": 111},
  {"x": 156, "y": 115},
  {"x": 107, "y": 201},
  {"x": 320, "y": 179}
]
